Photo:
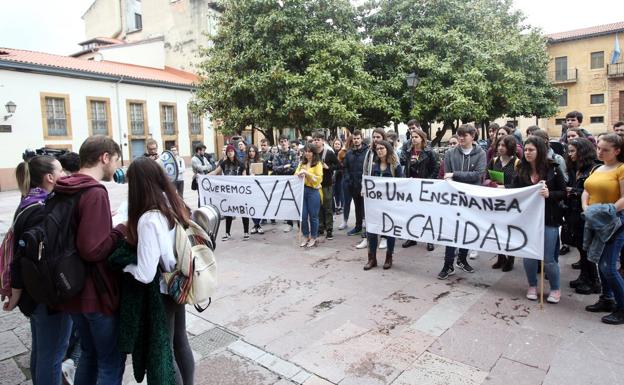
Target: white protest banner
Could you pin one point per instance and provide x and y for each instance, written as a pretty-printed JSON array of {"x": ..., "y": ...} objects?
[
  {"x": 502, "y": 221},
  {"x": 265, "y": 197}
]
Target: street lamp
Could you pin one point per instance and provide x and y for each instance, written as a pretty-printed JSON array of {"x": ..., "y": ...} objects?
[
  {"x": 412, "y": 81},
  {"x": 10, "y": 107}
]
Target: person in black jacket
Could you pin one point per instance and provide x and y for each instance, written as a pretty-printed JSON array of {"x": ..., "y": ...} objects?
[
  {"x": 419, "y": 161},
  {"x": 330, "y": 164},
  {"x": 50, "y": 331},
  {"x": 353, "y": 170},
  {"x": 535, "y": 168},
  {"x": 581, "y": 162}
]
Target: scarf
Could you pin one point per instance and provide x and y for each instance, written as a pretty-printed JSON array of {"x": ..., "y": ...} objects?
[{"x": 34, "y": 195}]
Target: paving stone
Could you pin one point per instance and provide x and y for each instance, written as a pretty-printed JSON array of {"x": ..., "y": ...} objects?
[
  {"x": 10, "y": 374},
  {"x": 472, "y": 344},
  {"x": 507, "y": 372},
  {"x": 314, "y": 380},
  {"x": 431, "y": 369},
  {"x": 278, "y": 365},
  {"x": 196, "y": 325},
  {"x": 246, "y": 350},
  {"x": 10, "y": 346},
  {"x": 23, "y": 333},
  {"x": 577, "y": 368},
  {"x": 301, "y": 377},
  {"x": 533, "y": 349},
  {"x": 12, "y": 320},
  {"x": 224, "y": 368},
  {"x": 29, "y": 382},
  {"x": 445, "y": 313},
  {"x": 23, "y": 360}
]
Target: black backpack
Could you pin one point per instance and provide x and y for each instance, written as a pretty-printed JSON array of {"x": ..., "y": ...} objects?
[{"x": 52, "y": 269}]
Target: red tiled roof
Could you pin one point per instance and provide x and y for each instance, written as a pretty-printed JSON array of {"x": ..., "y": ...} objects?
[
  {"x": 586, "y": 32},
  {"x": 167, "y": 75}
]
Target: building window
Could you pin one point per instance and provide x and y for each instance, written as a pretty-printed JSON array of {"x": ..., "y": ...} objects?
[
  {"x": 195, "y": 124},
  {"x": 561, "y": 68},
  {"x": 56, "y": 116},
  {"x": 137, "y": 118},
  {"x": 138, "y": 21},
  {"x": 563, "y": 98},
  {"x": 167, "y": 117},
  {"x": 560, "y": 121},
  {"x": 597, "y": 60},
  {"x": 596, "y": 119},
  {"x": 98, "y": 114},
  {"x": 596, "y": 99}
]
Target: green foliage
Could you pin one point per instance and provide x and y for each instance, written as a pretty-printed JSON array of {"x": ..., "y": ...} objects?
[
  {"x": 291, "y": 63},
  {"x": 475, "y": 58},
  {"x": 322, "y": 63}
]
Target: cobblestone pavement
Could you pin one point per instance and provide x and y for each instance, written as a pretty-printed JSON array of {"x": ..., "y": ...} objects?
[{"x": 284, "y": 315}]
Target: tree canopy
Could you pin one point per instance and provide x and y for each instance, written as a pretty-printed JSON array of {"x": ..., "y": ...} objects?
[{"x": 324, "y": 63}]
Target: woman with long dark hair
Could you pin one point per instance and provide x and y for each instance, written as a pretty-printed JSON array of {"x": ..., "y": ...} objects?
[
  {"x": 253, "y": 156},
  {"x": 603, "y": 201},
  {"x": 49, "y": 330},
  {"x": 230, "y": 165},
  {"x": 386, "y": 165},
  {"x": 311, "y": 169},
  {"x": 154, "y": 208},
  {"x": 505, "y": 161},
  {"x": 580, "y": 161},
  {"x": 536, "y": 168}
]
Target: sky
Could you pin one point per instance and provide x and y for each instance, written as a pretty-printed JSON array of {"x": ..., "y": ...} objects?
[{"x": 55, "y": 26}]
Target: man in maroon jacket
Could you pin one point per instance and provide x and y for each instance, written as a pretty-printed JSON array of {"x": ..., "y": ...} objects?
[{"x": 94, "y": 309}]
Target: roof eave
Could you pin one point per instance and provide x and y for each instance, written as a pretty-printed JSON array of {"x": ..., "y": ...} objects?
[
  {"x": 71, "y": 73},
  {"x": 582, "y": 37}
]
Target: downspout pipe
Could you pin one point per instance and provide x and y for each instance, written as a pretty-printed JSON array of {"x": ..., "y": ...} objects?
[{"x": 121, "y": 138}]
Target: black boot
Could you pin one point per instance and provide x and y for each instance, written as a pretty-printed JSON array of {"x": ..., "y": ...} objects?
[
  {"x": 372, "y": 261},
  {"x": 409, "y": 243},
  {"x": 499, "y": 262},
  {"x": 508, "y": 266},
  {"x": 579, "y": 281},
  {"x": 576, "y": 265},
  {"x": 565, "y": 249},
  {"x": 388, "y": 263},
  {"x": 591, "y": 283},
  {"x": 603, "y": 305},
  {"x": 615, "y": 318}
]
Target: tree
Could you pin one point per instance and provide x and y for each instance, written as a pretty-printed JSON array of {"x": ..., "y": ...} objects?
[
  {"x": 475, "y": 58},
  {"x": 291, "y": 63}
]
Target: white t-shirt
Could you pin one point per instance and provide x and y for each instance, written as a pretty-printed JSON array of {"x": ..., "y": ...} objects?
[{"x": 154, "y": 248}]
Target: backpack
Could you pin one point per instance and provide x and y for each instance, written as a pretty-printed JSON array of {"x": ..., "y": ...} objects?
[
  {"x": 7, "y": 252},
  {"x": 52, "y": 269},
  {"x": 194, "y": 279}
]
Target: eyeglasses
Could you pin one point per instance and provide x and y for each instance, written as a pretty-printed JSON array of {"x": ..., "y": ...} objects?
[{"x": 381, "y": 149}]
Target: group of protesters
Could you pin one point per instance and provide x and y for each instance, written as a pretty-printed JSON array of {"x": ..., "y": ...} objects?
[{"x": 580, "y": 177}]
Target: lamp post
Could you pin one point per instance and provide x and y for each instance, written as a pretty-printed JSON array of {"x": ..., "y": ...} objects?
[
  {"x": 412, "y": 81},
  {"x": 10, "y": 107}
]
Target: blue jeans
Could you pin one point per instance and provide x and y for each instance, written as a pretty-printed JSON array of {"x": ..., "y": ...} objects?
[
  {"x": 551, "y": 252},
  {"x": 311, "y": 206},
  {"x": 610, "y": 278},
  {"x": 50, "y": 338},
  {"x": 346, "y": 202},
  {"x": 101, "y": 362},
  {"x": 373, "y": 240}
]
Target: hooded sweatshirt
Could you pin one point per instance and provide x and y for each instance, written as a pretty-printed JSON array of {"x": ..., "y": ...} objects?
[
  {"x": 95, "y": 240},
  {"x": 466, "y": 168}
]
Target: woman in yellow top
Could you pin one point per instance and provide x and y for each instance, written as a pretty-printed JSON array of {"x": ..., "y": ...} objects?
[
  {"x": 310, "y": 168},
  {"x": 606, "y": 186}
]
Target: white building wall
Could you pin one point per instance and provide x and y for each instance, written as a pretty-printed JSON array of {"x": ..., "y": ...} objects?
[
  {"x": 24, "y": 89},
  {"x": 150, "y": 54}
]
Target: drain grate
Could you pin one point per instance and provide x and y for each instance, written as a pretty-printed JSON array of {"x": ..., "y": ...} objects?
[{"x": 212, "y": 340}]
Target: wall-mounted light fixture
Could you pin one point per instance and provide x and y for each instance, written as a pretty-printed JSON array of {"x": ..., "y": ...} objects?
[{"x": 10, "y": 107}]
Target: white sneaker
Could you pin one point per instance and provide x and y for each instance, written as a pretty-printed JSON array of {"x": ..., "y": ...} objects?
[
  {"x": 288, "y": 229},
  {"x": 342, "y": 226},
  {"x": 363, "y": 244},
  {"x": 69, "y": 370},
  {"x": 383, "y": 244},
  {"x": 473, "y": 254}
]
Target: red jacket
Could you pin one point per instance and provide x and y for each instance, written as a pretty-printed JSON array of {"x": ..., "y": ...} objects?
[{"x": 95, "y": 240}]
